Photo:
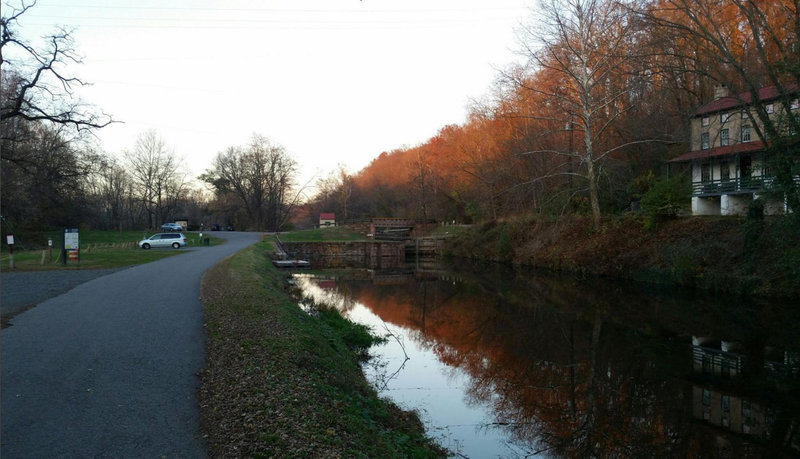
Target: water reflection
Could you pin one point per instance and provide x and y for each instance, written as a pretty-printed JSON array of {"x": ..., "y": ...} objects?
[{"x": 568, "y": 368}]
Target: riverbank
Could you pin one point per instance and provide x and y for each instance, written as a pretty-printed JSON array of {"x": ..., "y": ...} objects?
[
  {"x": 727, "y": 254},
  {"x": 281, "y": 383}
]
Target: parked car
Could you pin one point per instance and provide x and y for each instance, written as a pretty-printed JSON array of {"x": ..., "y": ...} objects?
[
  {"x": 171, "y": 227},
  {"x": 174, "y": 240}
]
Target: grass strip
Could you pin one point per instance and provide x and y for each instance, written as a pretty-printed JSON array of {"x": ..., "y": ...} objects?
[
  {"x": 333, "y": 234},
  {"x": 99, "y": 250},
  {"x": 279, "y": 382}
]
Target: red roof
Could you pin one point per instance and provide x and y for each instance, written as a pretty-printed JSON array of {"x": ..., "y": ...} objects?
[
  {"x": 327, "y": 216},
  {"x": 720, "y": 151},
  {"x": 726, "y": 103}
]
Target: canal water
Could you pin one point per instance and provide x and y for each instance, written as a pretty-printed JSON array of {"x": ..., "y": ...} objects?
[{"x": 517, "y": 364}]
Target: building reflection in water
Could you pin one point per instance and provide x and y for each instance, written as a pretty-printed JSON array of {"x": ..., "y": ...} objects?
[
  {"x": 572, "y": 368},
  {"x": 725, "y": 400}
]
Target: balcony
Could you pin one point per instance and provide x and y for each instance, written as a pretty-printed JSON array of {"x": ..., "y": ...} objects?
[{"x": 731, "y": 186}]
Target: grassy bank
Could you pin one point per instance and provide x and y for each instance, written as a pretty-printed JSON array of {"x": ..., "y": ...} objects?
[
  {"x": 99, "y": 250},
  {"x": 729, "y": 254},
  {"x": 282, "y": 383},
  {"x": 332, "y": 234}
]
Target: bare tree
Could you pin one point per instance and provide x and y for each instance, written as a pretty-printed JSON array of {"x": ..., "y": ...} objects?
[
  {"x": 421, "y": 183},
  {"x": 44, "y": 177},
  {"x": 44, "y": 171},
  {"x": 582, "y": 54},
  {"x": 345, "y": 190},
  {"x": 260, "y": 176},
  {"x": 35, "y": 85},
  {"x": 157, "y": 177},
  {"x": 332, "y": 193},
  {"x": 280, "y": 170},
  {"x": 113, "y": 189}
]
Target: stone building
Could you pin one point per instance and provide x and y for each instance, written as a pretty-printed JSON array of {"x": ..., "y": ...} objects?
[{"x": 727, "y": 157}]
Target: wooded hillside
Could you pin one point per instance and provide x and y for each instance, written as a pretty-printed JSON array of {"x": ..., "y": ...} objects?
[{"x": 585, "y": 124}]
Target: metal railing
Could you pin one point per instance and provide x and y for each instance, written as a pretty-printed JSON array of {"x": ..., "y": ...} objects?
[
  {"x": 732, "y": 185},
  {"x": 723, "y": 363}
]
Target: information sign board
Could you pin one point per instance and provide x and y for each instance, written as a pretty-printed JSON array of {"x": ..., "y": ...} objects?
[{"x": 71, "y": 239}]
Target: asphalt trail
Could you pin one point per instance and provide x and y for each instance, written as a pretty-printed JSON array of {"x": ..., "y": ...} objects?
[
  {"x": 20, "y": 291},
  {"x": 109, "y": 368}
]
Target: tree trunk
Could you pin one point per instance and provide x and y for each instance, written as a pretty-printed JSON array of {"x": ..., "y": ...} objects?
[{"x": 594, "y": 199}]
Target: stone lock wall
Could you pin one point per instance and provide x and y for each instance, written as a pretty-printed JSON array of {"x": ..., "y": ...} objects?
[{"x": 369, "y": 254}]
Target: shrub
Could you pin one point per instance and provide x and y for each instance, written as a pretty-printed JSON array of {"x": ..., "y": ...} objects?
[
  {"x": 667, "y": 197},
  {"x": 505, "y": 251}
]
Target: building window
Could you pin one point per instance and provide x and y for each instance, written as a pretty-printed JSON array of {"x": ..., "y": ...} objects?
[
  {"x": 745, "y": 133},
  {"x": 724, "y": 138},
  {"x": 705, "y": 121},
  {"x": 770, "y": 108},
  {"x": 724, "y": 117},
  {"x": 704, "y": 142},
  {"x": 705, "y": 173},
  {"x": 724, "y": 171}
]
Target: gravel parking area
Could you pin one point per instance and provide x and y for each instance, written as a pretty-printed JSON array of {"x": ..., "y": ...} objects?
[{"x": 22, "y": 290}]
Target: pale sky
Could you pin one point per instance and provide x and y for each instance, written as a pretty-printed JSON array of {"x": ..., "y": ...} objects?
[{"x": 332, "y": 81}]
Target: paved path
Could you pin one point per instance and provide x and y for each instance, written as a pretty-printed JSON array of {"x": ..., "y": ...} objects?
[
  {"x": 109, "y": 368},
  {"x": 20, "y": 291}
]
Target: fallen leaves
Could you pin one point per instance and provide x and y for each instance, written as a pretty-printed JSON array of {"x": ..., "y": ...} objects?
[{"x": 270, "y": 387}]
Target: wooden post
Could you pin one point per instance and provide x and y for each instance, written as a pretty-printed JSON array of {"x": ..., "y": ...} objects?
[{"x": 10, "y": 242}]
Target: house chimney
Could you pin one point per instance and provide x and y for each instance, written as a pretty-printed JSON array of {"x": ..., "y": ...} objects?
[{"x": 720, "y": 90}]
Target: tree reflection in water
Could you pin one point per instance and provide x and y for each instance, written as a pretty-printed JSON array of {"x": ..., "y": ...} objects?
[{"x": 588, "y": 369}]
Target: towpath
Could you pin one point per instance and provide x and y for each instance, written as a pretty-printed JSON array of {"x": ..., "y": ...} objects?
[{"x": 109, "y": 368}]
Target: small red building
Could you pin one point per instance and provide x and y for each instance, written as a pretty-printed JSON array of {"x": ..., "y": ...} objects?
[{"x": 327, "y": 219}]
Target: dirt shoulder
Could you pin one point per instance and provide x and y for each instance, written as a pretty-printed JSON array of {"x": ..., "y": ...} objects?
[
  {"x": 280, "y": 383},
  {"x": 729, "y": 254}
]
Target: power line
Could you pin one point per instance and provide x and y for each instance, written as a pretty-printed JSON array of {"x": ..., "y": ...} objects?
[
  {"x": 262, "y": 24},
  {"x": 274, "y": 21},
  {"x": 419, "y": 18},
  {"x": 271, "y": 20},
  {"x": 276, "y": 27},
  {"x": 280, "y": 10}
]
